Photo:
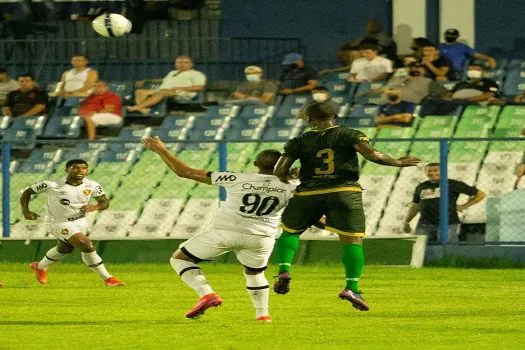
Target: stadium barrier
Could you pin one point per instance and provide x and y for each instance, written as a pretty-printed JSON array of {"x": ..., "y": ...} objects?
[{"x": 149, "y": 202}]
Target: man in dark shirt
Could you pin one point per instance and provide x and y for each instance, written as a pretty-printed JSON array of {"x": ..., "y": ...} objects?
[
  {"x": 476, "y": 88},
  {"x": 426, "y": 202},
  {"x": 395, "y": 113},
  {"x": 27, "y": 101},
  {"x": 329, "y": 174},
  {"x": 296, "y": 78},
  {"x": 437, "y": 67}
]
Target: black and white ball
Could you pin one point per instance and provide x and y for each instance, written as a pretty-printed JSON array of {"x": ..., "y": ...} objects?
[{"x": 111, "y": 25}]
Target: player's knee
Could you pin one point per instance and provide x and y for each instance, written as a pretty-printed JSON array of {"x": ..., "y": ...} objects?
[
  {"x": 350, "y": 239},
  {"x": 65, "y": 249},
  {"x": 254, "y": 270}
]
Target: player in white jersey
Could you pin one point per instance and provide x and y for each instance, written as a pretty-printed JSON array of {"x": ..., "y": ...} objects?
[
  {"x": 246, "y": 223},
  {"x": 67, "y": 205}
]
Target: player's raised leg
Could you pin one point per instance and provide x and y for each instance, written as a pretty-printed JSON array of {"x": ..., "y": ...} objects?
[
  {"x": 185, "y": 264},
  {"x": 92, "y": 259},
  {"x": 52, "y": 256}
]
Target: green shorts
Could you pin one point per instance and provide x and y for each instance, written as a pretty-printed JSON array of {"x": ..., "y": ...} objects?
[{"x": 344, "y": 213}]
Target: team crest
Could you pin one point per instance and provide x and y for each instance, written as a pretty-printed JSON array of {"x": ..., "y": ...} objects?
[
  {"x": 86, "y": 192},
  {"x": 64, "y": 231}
]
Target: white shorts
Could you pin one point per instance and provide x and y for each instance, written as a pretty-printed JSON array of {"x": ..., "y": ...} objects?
[
  {"x": 251, "y": 250},
  {"x": 106, "y": 119},
  {"x": 64, "y": 230}
]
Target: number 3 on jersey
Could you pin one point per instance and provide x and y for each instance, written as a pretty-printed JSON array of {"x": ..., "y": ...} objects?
[
  {"x": 253, "y": 204},
  {"x": 327, "y": 155}
]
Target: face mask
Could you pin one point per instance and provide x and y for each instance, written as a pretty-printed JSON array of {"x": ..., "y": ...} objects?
[
  {"x": 474, "y": 74},
  {"x": 320, "y": 97},
  {"x": 414, "y": 73},
  {"x": 253, "y": 77},
  {"x": 450, "y": 39},
  {"x": 393, "y": 98}
]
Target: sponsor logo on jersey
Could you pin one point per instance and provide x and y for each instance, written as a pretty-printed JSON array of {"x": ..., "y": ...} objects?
[
  {"x": 430, "y": 193},
  {"x": 86, "y": 192},
  {"x": 64, "y": 201},
  {"x": 41, "y": 187},
  {"x": 363, "y": 138},
  {"x": 264, "y": 188},
  {"x": 64, "y": 231},
  {"x": 224, "y": 178}
]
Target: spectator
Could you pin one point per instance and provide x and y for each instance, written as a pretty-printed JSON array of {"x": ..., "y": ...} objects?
[
  {"x": 476, "y": 88},
  {"x": 458, "y": 53},
  {"x": 321, "y": 94},
  {"x": 183, "y": 84},
  {"x": 416, "y": 86},
  {"x": 101, "y": 108},
  {"x": 348, "y": 52},
  {"x": 370, "y": 67},
  {"x": 403, "y": 71},
  {"x": 78, "y": 81},
  {"x": 417, "y": 46},
  {"x": 426, "y": 202},
  {"x": 27, "y": 101},
  {"x": 6, "y": 86},
  {"x": 395, "y": 113},
  {"x": 255, "y": 90},
  {"x": 296, "y": 78},
  {"x": 437, "y": 67}
]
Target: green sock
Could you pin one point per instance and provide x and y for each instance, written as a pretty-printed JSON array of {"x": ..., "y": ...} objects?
[
  {"x": 354, "y": 261},
  {"x": 286, "y": 247}
]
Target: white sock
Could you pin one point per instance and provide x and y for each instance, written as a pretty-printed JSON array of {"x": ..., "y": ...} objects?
[
  {"x": 52, "y": 256},
  {"x": 94, "y": 261},
  {"x": 259, "y": 290},
  {"x": 192, "y": 275}
]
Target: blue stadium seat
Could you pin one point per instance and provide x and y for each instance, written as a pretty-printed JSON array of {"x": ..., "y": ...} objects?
[
  {"x": 297, "y": 100},
  {"x": 63, "y": 127},
  {"x": 515, "y": 82},
  {"x": 20, "y": 138},
  {"x": 333, "y": 77},
  {"x": 124, "y": 89},
  {"x": 36, "y": 124},
  {"x": 339, "y": 88},
  {"x": 177, "y": 122},
  {"x": 284, "y": 122},
  {"x": 360, "y": 111},
  {"x": 222, "y": 111},
  {"x": 65, "y": 111},
  {"x": 244, "y": 129},
  {"x": 207, "y": 122},
  {"x": 91, "y": 146},
  {"x": 288, "y": 110},
  {"x": 364, "y": 96},
  {"x": 170, "y": 135},
  {"x": 132, "y": 134},
  {"x": 278, "y": 133},
  {"x": 253, "y": 122},
  {"x": 252, "y": 111},
  {"x": 358, "y": 122},
  {"x": 41, "y": 161},
  {"x": 206, "y": 134},
  {"x": 113, "y": 156}
]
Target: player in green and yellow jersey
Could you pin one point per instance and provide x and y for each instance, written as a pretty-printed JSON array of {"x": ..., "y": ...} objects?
[{"x": 329, "y": 186}]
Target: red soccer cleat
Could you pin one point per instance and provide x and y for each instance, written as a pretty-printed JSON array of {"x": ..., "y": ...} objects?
[
  {"x": 113, "y": 282},
  {"x": 207, "y": 301},
  {"x": 41, "y": 275},
  {"x": 264, "y": 319}
]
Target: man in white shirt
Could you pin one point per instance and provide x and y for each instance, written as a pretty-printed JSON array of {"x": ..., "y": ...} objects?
[
  {"x": 246, "y": 223},
  {"x": 67, "y": 204},
  {"x": 183, "y": 84},
  {"x": 79, "y": 81},
  {"x": 370, "y": 67}
]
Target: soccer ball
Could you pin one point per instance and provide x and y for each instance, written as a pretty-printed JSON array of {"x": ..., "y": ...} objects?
[{"x": 111, "y": 25}]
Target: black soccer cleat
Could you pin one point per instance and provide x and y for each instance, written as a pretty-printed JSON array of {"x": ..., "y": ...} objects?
[
  {"x": 355, "y": 298},
  {"x": 282, "y": 285}
]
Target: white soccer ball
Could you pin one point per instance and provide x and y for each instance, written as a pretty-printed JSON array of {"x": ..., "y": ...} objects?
[{"x": 111, "y": 25}]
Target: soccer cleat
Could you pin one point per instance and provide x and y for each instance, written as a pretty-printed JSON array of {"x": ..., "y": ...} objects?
[
  {"x": 355, "y": 298},
  {"x": 207, "y": 301},
  {"x": 113, "y": 282},
  {"x": 282, "y": 285},
  {"x": 41, "y": 275},
  {"x": 264, "y": 319}
]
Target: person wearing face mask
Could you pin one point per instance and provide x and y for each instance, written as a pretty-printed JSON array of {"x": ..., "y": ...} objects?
[
  {"x": 255, "y": 90},
  {"x": 395, "y": 113},
  {"x": 476, "y": 88},
  {"x": 296, "y": 77},
  {"x": 459, "y": 53}
]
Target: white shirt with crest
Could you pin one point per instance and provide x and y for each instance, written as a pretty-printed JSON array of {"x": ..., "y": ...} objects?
[
  {"x": 254, "y": 203},
  {"x": 64, "y": 201}
]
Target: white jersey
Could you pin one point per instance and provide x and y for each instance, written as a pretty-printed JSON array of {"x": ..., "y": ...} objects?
[
  {"x": 254, "y": 203},
  {"x": 176, "y": 79},
  {"x": 64, "y": 201},
  {"x": 74, "y": 80}
]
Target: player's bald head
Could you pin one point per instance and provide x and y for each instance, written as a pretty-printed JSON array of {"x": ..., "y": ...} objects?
[
  {"x": 267, "y": 159},
  {"x": 320, "y": 111}
]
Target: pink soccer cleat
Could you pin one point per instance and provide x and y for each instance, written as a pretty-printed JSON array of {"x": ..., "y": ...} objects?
[
  {"x": 40, "y": 274},
  {"x": 207, "y": 301},
  {"x": 113, "y": 282}
]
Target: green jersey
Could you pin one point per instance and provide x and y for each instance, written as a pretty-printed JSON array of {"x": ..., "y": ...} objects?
[{"x": 328, "y": 158}]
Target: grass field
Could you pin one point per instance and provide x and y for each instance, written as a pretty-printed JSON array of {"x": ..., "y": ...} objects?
[{"x": 429, "y": 308}]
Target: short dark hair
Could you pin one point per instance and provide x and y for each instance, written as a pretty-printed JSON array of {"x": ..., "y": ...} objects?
[
  {"x": 267, "y": 159},
  {"x": 75, "y": 162},
  {"x": 369, "y": 47},
  {"x": 431, "y": 164},
  {"x": 2, "y": 70},
  {"x": 321, "y": 111},
  {"x": 321, "y": 88},
  {"x": 26, "y": 75},
  {"x": 429, "y": 44}
]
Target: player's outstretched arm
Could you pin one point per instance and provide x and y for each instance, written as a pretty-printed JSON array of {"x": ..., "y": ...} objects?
[
  {"x": 24, "y": 204},
  {"x": 180, "y": 168},
  {"x": 282, "y": 168},
  {"x": 378, "y": 157}
]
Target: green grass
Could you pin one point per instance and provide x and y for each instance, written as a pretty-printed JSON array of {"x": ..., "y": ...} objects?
[{"x": 430, "y": 308}]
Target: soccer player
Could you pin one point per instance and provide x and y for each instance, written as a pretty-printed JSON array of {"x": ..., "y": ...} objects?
[
  {"x": 329, "y": 174},
  {"x": 67, "y": 205},
  {"x": 246, "y": 223}
]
